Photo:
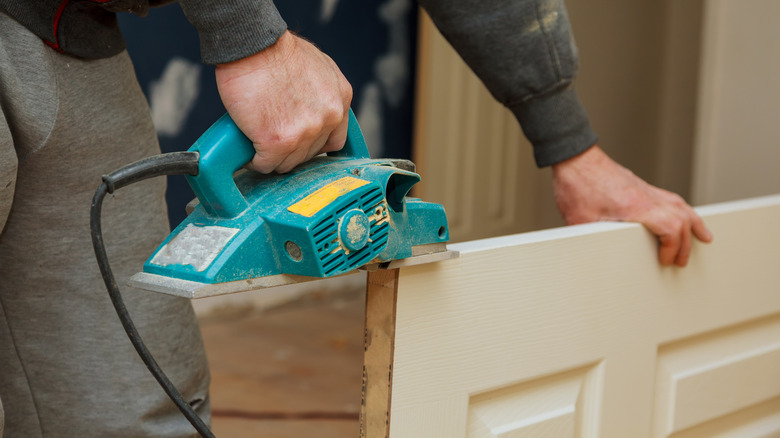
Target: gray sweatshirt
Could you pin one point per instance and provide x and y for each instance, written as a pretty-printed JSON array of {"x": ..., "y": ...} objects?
[
  {"x": 524, "y": 52},
  {"x": 521, "y": 49},
  {"x": 228, "y": 29}
]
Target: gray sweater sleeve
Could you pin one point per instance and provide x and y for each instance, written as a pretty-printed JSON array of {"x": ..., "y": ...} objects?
[
  {"x": 524, "y": 52},
  {"x": 233, "y": 29}
]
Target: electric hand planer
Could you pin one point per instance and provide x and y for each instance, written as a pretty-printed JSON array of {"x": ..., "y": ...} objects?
[{"x": 329, "y": 216}]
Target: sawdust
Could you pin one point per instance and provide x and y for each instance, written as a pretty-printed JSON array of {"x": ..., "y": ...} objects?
[{"x": 355, "y": 229}]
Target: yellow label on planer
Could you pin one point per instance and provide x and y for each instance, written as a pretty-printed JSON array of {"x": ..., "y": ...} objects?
[{"x": 322, "y": 197}]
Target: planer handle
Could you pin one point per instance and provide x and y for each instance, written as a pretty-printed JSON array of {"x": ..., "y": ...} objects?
[{"x": 224, "y": 149}]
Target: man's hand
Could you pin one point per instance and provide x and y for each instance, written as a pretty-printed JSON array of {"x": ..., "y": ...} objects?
[
  {"x": 591, "y": 187},
  {"x": 290, "y": 99}
]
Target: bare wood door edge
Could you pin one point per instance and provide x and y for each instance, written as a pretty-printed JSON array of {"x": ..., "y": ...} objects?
[{"x": 378, "y": 343}]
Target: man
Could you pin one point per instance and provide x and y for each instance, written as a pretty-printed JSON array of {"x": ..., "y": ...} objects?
[{"x": 72, "y": 111}]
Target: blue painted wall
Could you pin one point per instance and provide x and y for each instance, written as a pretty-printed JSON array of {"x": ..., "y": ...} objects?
[{"x": 372, "y": 41}]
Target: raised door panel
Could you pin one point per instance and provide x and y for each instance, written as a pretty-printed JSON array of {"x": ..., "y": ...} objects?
[{"x": 701, "y": 381}]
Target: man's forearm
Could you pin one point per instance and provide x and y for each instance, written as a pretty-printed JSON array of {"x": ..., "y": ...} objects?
[{"x": 524, "y": 53}]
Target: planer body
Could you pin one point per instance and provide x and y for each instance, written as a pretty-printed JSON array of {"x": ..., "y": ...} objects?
[{"x": 329, "y": 216}]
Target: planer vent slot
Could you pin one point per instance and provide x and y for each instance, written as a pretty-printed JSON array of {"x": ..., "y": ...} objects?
[{"x": 333, "y": 259}]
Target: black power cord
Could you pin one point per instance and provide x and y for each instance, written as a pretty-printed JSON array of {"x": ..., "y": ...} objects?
[{"x": 176, "y": 163}]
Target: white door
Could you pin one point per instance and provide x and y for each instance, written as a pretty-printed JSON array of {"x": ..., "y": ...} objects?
[{"x": 578, "y": 332}]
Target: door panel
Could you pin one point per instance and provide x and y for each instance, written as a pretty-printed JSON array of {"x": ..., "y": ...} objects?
[{"x": 579, "y": 332}]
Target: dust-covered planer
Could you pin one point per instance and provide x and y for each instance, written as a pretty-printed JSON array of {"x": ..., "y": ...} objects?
[{"x": 329, "y": 216}]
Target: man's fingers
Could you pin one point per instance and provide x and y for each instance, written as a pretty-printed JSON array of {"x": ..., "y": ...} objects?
[
  {"x": 271, "y": 154},
  {"x": 699, "y": 229},
  {"x": 674, "y": 230},
  {"x": 670, "y": 245},
  {"x": 685, "y": 246},
  {"x": 295, "y": 158},
  {"x": 338, "y": 136},
  {"x": 266, "y": 162},
  {"x": 285, "y": 157}
]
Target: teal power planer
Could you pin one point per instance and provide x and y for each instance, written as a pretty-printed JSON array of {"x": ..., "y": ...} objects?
[{"x": 329, "y": 216}]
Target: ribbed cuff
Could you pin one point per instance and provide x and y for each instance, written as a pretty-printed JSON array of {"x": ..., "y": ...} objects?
[
  {"x": 557, "y": 126},
  {"x": 230, "y": 30}
]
